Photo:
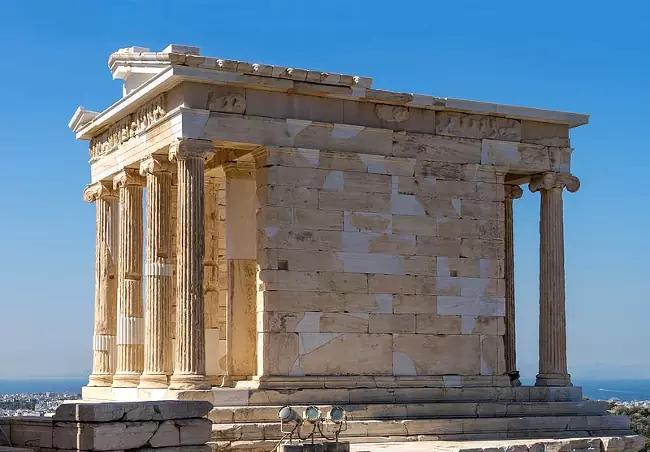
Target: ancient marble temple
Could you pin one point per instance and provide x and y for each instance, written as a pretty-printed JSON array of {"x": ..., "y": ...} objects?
[{"x": 267, "y": 231}]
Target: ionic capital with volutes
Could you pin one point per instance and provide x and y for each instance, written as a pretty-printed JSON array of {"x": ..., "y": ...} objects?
[
  {"x": 547, "y": 181},
  {"x": 513, "y": 191},
  {"x": 99, "y": 190},
  {"x": 155, "y": 164},
  {"x": 128, "y": 177},
  {"x": 191, "y": 149}
]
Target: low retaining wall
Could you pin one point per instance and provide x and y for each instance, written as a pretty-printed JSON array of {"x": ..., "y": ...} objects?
[{"x": 161, "y": 426}]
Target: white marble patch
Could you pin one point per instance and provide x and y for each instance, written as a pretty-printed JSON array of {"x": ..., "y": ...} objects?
[
  {"x": 384, "y": 303},
  {"x": 386, "y": 264},
  {"x": 311, "y": 155},
  {"x": 130, "y": 330},
  {"x": 442, "y": 266},
  {"x": 334, "y": 181},
  {"x": 104, "y": 343},
  {"x": 485, "y": 368},
  {"x": 406, "y": 205},
  {"x": 374, "y": 163},
  {"x": 484, "y": 268},
  {"x": 456, "y": 204},
  {"x": 473, "y": 287},
  {"x": 310, "y": 323},
  {"x": 346, "y": 131},
  {"x": 356, "y": 242},
  {"x": 158, "y": 269},
  {"x": 308, "y": 342},
  {"x": 484, "y": 306},
  {"x": 451, "y": 381},
  {"x": 467, "y": 324},
  {"x": 295, "y": 126},
  {"x": 296, "y": 370},
  {"x": 403, "y": 364}
]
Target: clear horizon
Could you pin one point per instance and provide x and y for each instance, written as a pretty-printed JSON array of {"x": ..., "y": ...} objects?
[{"x": 578, "y": 56}]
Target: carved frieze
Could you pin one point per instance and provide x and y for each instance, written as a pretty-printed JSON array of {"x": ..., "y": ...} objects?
[
  {"x": 227, "y": 103},
  {"x": 477, "y": 126},
  {"x": 128, "y": 127},
  {"x": 392, "y": 113}
]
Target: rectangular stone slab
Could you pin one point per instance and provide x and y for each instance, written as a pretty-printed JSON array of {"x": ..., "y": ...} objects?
[{"x": 132, "y": 411}]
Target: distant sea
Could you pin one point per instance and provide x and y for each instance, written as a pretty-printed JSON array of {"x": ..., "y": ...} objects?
[
  {"x": 42, "y": 385},
  {"x": 624, "y": 390}
]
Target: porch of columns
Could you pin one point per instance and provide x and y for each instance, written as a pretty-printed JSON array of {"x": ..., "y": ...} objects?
[
  {"x": 552, "y": 316},
  {"x": 158, "y": 363},
  {"x": 130, "y": 323},
  {"x": 189, "y": 360},
  {"x": 104, "y": 358},
  {"x": 241, "y": 254},
  {"x": 511, "y": 192}
]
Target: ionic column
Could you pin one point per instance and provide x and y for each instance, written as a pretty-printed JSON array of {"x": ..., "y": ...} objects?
[
  {"x": 130, "y": 334},
  {"x": 105, "y": 201},
  {"x": 511, "y": 192},
  {"x": 189, "y": 363},
  {"x": 552, "y": 315},
  {"x": 158, "y": 274},
  {"x": 241, "y": 254}
]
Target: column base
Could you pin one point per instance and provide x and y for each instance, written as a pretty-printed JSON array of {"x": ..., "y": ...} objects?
[
  {"x": 562, "y": 380},
  {"x": 100, "y": 380},
  {"x": 154, "y": 381},
  {"x": 126, "y": 380},
  {"x": 189, "y": 382}
]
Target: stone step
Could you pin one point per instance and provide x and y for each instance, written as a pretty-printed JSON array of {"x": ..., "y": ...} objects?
[
  {"x": 576, "y": 440},
  {"x": 435, "y": 427},
  {"x": 419, "y": 410},
  {"x": 246, "y": 397}
]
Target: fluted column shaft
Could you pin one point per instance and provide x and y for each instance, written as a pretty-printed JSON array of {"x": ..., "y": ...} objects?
[
  {"x": 552, "y": 316},
  {"x": 512, "y": 192},
  {"x": 158, "y": 364},
  {"x": 130, "y": 324},
  {"x": 105, "y": 284},
  {"x": 189, "y": 363}
]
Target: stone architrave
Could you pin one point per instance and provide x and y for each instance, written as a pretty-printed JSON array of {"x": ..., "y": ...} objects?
[
  {"x": 189, "y": 363},
  {"x": 106, "y": 204},
  {"x": 552, "y": 315},
  {"x": 241, "y": 253},
  {"x": 511, "y": 192},
  {"x": 158, "y": 365},
  {"x": 130, "y": 324}
]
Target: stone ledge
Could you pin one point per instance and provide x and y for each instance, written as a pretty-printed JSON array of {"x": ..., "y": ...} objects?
[{"x": 429, "y": 443}]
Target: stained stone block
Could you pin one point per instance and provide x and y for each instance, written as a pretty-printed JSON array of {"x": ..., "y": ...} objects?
[
  {"x": 392, "y": 284},
  {"x": 438, "y": 148},
  {"x": 545, "y": 134},
  {"x": 103, "y": 436},
  {"x": 132, "y": 411},
  {"x": 183, "y": 432},
  {"x": 436, "y": 355},
  {"x": 392, "y": 323},
  {"x": 350, "y": 354},
  {"x": 203, "y": 448}
]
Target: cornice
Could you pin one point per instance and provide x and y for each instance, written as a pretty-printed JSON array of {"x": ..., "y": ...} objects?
[{"x": 168, "y": 69}]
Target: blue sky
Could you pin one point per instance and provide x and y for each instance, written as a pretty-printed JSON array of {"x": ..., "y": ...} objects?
[{"x": 587, "y": 57}]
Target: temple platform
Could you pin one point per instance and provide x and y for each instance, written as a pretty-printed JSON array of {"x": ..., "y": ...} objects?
[{"x": 246, "y": 418}]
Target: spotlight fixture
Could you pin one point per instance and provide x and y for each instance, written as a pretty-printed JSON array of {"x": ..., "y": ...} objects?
[
  {"x": 337, "y": 414},
  {"x": 287, "y": 414},
  {"x": 312, "y": 414}
]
